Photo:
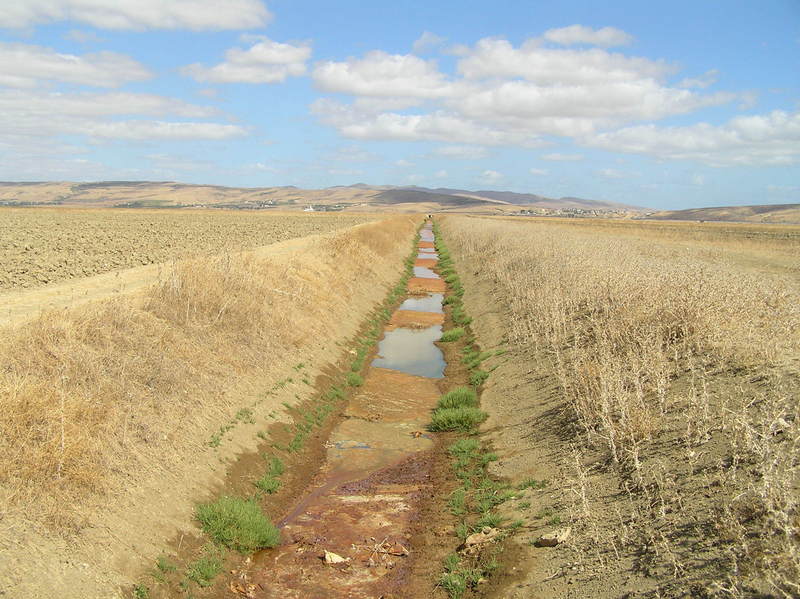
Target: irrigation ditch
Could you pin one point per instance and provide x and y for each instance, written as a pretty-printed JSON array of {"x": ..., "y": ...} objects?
[{"x": 379, "y": 485}]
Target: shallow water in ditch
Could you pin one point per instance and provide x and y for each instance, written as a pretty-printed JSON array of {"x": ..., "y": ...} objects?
[
  {"x": 429, "y": 303},
  {"x": 361, "y": 504},
  {"x": 412, "y": 351},
  {"x": 423, "y": 272}
]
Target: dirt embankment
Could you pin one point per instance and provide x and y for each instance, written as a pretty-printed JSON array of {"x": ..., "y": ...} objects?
[
  {"x": 112, "y": 411},
  {"x": 646, "y": 403}
]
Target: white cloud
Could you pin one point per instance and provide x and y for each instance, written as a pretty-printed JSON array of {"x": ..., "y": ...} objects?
[
  {"x": 37, "y": 118},
  {"x": 427, "y": 42},
  {"x": 558, "y": 157},
  {"x": 462, "y": 152},
  {"x": 138, "y": 14},
  {"x": 441, "y": 174},
  {"x": 769, "y": 139},
  {"x": 168, "y": 162},
  {"x": 705, "y": 80},
  {"x": 492, "y": 58},
  {"x": 610, "y": 173},
  {"x": 436, "y": 126},
  {"x": 402, "y": 163},
  {"x": 490, "y": 176},
  {"x": 539, "y": 172},
  {"x": 266, "y": 61},
  {"x": 580, "y": 34},
  {"x": 379, "y": 74},
  {"x": 25, "y": 65},
  {"x": 698, "y": 180},
  {"x": 351, "y": 154}
]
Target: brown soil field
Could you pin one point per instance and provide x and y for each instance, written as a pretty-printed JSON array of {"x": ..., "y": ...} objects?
[
  {"x": 647, "y": 401},
  {"x": 41, "y": 246}
]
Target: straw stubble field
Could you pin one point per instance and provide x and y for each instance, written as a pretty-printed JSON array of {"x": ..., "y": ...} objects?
[{"x": 652, "y": 377}]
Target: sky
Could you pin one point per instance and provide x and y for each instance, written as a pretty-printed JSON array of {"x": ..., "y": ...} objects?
[{"x": 667, "y": 105}]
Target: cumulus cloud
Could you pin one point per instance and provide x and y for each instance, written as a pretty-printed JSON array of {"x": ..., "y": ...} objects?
[
  {"x": 610, "y": 173},
  {"x": 490, "y": 176},
  {"x": 768, "y": 139},
  {"x": 580, "y": 34},
  {"x": 502, "y": 94},
  {"x": 266, "y": 61},
  {"x": 539, "y": 172},
  {"x": 435, "y": 126},
  {"x": 509, "y": 95},
  {"x": 558, "y": 157},
  {"x": 379, "y": 74},
  {"x": 25, "y": 65},
  {"x": 427, "y": 42},
  {"x": 462, "y": 152},
  {"x": 31, "y": 117},
  {"x": 495, "y": 58},
  {"x": 705, "y": 80},
  {"x": 196, "y": 15}
]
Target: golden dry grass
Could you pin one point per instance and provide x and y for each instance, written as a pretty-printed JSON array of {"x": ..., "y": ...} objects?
[
  {"x": 108, "y": 391},
  {"x": 676, "y": 351}
]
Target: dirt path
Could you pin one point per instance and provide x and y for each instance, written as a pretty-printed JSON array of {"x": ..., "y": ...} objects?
[{"x": 19, "y": 306}]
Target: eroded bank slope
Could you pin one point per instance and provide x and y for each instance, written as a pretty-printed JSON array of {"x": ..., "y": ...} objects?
[
  {"x": 647, "y": 405},
  {"x": 108, "y": 409}
]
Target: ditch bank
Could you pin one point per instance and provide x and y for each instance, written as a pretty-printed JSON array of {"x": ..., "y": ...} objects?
[{"x": 118, "y": 416}]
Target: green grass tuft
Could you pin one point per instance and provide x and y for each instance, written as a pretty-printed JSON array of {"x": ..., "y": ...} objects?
[
  {"x": 354, "y": 379},
  {"x": 268, "y": 484},
  {"x": 237, "y": 523},
  {"x": 458, "y": 398},
  {"x": 452, "y": 335},
  {"x": 462, "y": 419},
  {"x": 204, "y": 570}
]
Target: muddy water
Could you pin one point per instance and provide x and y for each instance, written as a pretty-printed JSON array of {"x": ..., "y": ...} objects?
[
  {"x": 364, "y": 499},
  {"x": 428, "y": 303}
]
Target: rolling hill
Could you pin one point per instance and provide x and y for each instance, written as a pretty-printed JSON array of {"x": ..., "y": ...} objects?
[
  {"x": 763, "y": 213},
  {"x": 169, "y": 194}
]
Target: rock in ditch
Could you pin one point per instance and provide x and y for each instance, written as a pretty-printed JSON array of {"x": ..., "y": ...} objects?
[
  {"x": 334, "y": 558},
  {"x": 552, "y": 539},
  {"x": 475, "y": 541}
]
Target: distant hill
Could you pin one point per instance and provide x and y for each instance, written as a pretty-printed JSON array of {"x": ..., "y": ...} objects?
[
  {"x": 361, "y": 196},
  {"x": 763, "y": 213}
]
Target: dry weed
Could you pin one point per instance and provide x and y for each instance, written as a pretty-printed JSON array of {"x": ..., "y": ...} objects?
[{"x": 663, "y": 346}]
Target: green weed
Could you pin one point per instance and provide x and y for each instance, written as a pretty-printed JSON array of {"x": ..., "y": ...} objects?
[
  {"x": 452, "y": 335},
  {"x": 462, "y": 419},
  {"x": 237, "y": 523}
]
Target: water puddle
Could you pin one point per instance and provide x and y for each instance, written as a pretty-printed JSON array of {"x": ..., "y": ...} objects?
[
  {"x": 361, "y": 504},
  {"x": 412, "y": 351},
  {"x": 430, "y": 303},
  {"x": 423, "y": 272}
]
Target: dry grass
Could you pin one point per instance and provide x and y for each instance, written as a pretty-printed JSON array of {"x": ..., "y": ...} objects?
[
  {"x": 108, "y": 391},
  {"x": 680, "y": 365}
]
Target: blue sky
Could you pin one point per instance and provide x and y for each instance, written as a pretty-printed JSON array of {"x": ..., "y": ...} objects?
[{"x": 662, "y": 104}]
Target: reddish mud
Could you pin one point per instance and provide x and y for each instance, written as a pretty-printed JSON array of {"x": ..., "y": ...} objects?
[
  {"x": 425, "y": 244},
  {"x": 413, "y": 319},
  {"x": 420, "y": 285},
  {"x": 426, "y": 262}
]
